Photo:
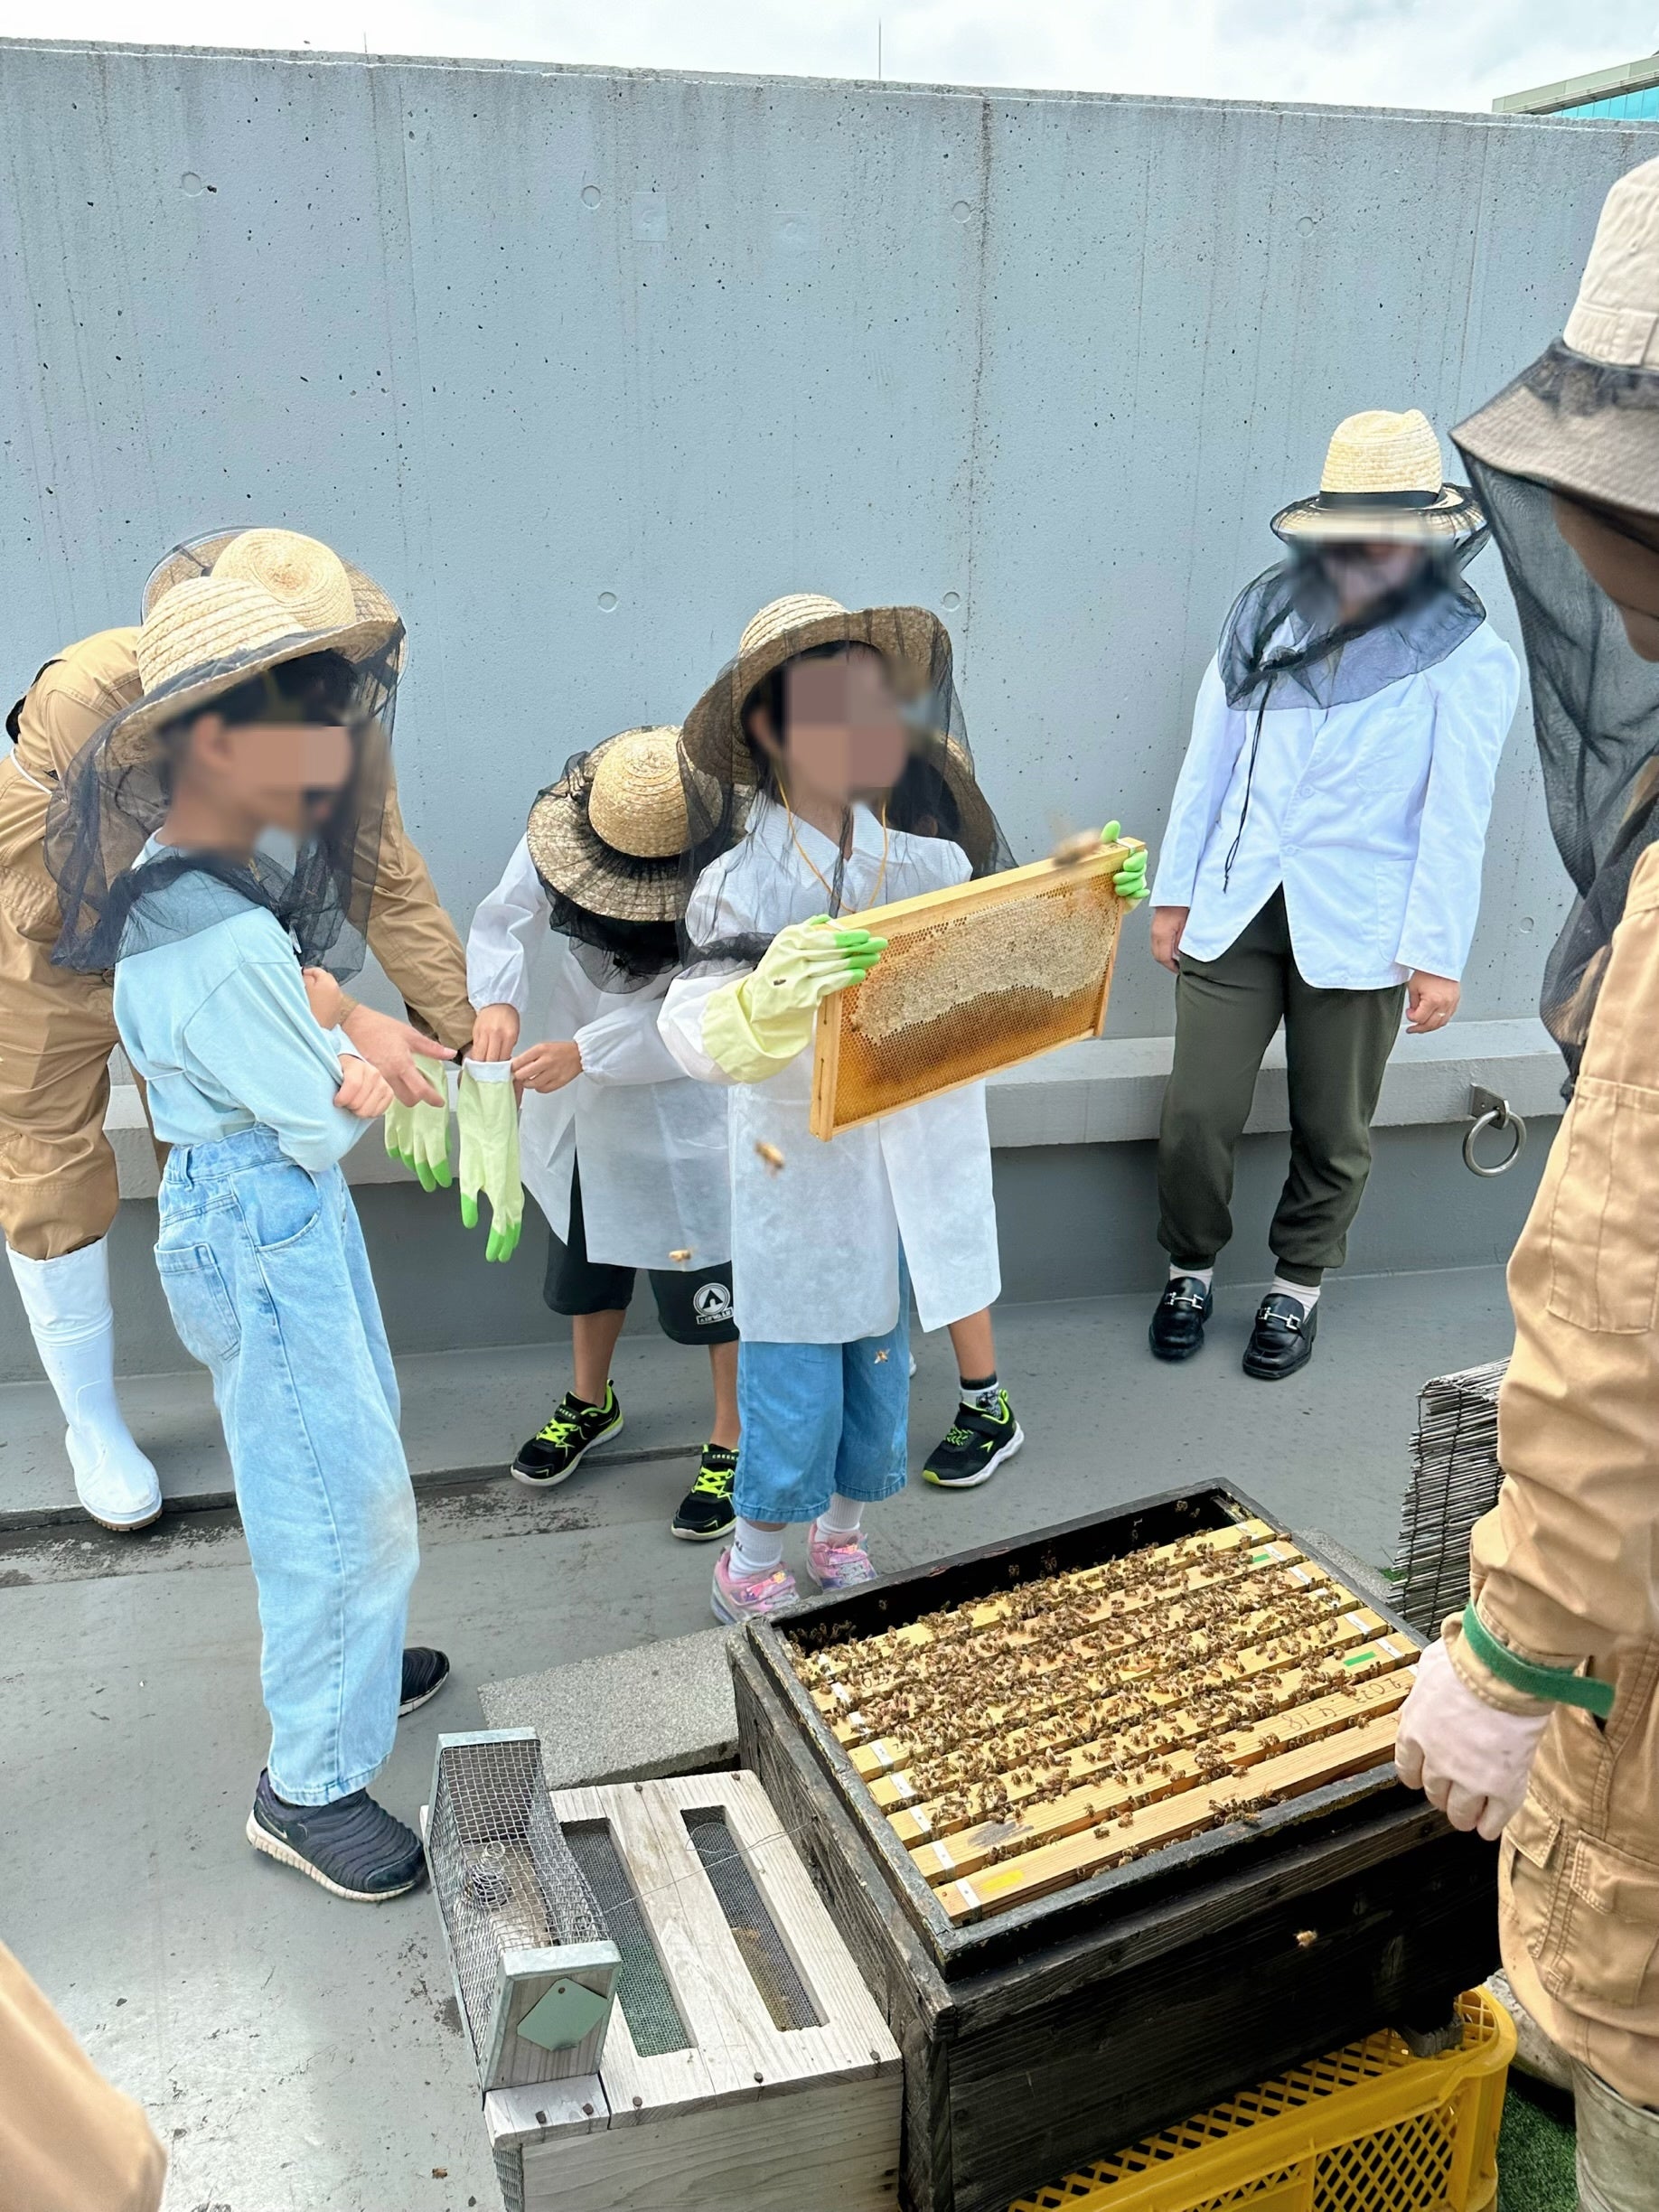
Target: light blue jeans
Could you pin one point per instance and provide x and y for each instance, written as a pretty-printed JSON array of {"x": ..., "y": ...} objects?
[
  {"x": 269, "y": 1285},
  {"x": 819, "y": 1417}
]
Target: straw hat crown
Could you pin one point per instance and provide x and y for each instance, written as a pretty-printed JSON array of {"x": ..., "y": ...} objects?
[
  {"x": 206, "y": 623},
  {"x": 303, "y": 573},
  {"x": 1378, "y": 450},
  {"x": 780, "y": 618},
  {"x": 1616, "y": 318},
  {"x": 637, "y": 801}
]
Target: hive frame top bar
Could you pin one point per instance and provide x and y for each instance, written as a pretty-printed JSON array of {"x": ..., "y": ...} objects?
[
  {"x": 1196, "y": 1862},
  {"x": 991, "y": 890}
]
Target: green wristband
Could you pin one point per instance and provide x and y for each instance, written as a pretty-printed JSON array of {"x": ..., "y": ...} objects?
[{"x": 1562, "y": 1685}]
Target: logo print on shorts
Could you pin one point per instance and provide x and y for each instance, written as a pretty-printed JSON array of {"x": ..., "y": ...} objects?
[{"x": 712, "y": 1304}]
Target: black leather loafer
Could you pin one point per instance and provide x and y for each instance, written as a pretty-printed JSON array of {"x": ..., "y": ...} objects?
[
  {"x": 1176, "y": 1330},
  {"x": 1282, "y": 1338}
]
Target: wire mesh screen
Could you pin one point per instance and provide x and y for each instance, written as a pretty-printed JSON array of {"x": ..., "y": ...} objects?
[
  {"x": 510, "y": 2179},
  {"x": 759, "y": 1943},
  {"x": 502, "y": 1870},
  {"x": 969, "y": 986},
  {"x": 643, "y": 1988},
  {"x": 1455, "y": 1479}
]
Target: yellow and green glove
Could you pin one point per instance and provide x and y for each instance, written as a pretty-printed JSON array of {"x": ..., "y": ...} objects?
[
  {"x": 1130, "y": 881},
  {"x": 418, "y": 1136},
  {"x": 487, "y": 1117},
  {"x": 755, "y": 1025}
]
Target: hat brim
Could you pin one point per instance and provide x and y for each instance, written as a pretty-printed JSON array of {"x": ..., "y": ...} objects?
[
  {"x": 910, "y": 638},
  {"x": 573, "y": 860},
  {"x": 131, "y": 735},
  {"x": 1454, "y": 515},
  {"x": 1607, "y": 454}
]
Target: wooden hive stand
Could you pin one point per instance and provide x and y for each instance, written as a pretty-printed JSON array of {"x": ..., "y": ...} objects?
[{"x": 747, "y": 2065}]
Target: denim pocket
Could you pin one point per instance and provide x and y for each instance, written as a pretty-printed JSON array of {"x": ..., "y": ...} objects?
[
  {"x": 198, "y": 1301},
  {"x": 279, "y": 1206}
]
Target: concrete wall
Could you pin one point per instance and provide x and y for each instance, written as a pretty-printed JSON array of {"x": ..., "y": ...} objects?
[{"x": 586, "y": 365}]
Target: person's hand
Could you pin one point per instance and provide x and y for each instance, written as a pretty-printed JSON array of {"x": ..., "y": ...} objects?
[
  {"x": 418, "y": 1135},
  {"x": 495, "y": 1032},
  {"x": 1130, "y": 883},
  {"x": 1432, "y": 1000},
  {"x": 1167, "y": 923},
  {"x": 547, "y": 1067},
  {"x": 395, "y": 1047},
  {"x": 324, "y": 998},
  {"x": 363, "y": 1089},
  {"x": 1468, "y": 1759}
]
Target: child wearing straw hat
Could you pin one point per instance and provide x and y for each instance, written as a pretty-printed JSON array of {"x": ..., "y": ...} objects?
[
  {"x": 258, "y": 716},
  {"x": 833, "y": 751},
  {"x": 625, "y": 1155},
  {"x": 1321, "y": 865}
]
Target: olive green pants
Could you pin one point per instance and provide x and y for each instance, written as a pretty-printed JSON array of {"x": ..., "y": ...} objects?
[{"x": 1336, "y": 1046}]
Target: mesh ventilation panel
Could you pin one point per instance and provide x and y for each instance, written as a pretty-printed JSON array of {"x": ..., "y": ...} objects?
[
  {"x": 502, "y": 1869},
  {"x": 643, "y": 1988},
  {"x": 761, "y": 1946},
  {"x": 957, "y": 995}
]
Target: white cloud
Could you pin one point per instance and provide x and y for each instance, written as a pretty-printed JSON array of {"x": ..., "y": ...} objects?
[{"x": 1394, "y": 53}]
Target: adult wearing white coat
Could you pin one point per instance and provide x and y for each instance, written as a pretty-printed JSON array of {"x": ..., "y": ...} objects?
[
  {"x": 625, "y": 1156},
  {"x": 1322, "y": 862}
]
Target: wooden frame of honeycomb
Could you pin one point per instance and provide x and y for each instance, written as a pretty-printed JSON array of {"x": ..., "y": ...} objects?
[{"x": 975, "y": 978}]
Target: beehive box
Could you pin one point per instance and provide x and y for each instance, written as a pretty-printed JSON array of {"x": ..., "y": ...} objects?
[
  {"x": 974, "y": 979},
  {"x": 1147, "y": 1850},
  {"x": 745, "y": 2064}
]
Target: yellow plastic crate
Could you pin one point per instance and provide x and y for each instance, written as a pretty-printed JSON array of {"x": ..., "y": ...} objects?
[{"x": 1366, "y": 2129}]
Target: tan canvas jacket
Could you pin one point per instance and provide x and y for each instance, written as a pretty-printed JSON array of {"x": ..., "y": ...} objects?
[
  {"x": 68, "y": 2142},
  {"x": 409, "y": 934},
  {"x": 1566, "y": 1567}
]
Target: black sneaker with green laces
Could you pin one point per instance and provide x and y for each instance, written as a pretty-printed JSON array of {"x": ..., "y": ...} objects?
[
  {"x": 975, "y": 1446},
  {"x": 572, "y": 1430},
  {"x": 706, "y": 1511}
]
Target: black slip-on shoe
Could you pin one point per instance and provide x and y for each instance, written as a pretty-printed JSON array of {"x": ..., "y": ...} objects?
[
  {"x": 706, "y": 1511},
  {"x": 425, "y": 1672},
  {"x": 354, "y": 1847},
  {"x": 565, "y": 1438},
  {"x": 1176, "y": 1328},
  {"x": 1282, "y": 1338}
]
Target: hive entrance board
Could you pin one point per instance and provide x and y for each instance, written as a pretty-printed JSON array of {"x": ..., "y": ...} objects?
[
  {"x": 974, "y": 979},
  {"x": 1030, "y": 1740}
]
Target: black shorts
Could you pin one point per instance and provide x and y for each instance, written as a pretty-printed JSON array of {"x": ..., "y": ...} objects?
[{"x": 694, "y": 1305}]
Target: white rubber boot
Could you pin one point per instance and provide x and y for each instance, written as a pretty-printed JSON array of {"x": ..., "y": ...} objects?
[{"x": 67, "y": 1301}]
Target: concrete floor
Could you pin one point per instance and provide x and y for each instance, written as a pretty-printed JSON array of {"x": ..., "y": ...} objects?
[{"x": 305, "y": 2056}]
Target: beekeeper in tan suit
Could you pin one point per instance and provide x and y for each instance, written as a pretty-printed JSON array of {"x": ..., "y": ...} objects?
[
  {"x": 1536, "y": 1717},
  {"x": 68, "y": 2142},
  {"x": 58, "y": 1190}
]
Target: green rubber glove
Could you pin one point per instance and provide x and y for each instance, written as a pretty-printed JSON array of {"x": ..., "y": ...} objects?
[
  {"x": 418, "y": 1136},
  {"x": 756, "y": 1026},
  {"x": 487, "y": 1117},
  {"x": 1130, "y": 881}
]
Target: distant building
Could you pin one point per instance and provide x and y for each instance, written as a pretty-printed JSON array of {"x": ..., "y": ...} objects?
[{"x": 1627, "y": 94}]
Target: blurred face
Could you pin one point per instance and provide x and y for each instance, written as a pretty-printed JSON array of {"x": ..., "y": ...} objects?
[
  {"x": 271, "y": 775},
  {"x": 845, "y": 731},
  {"x": 1366, "y": 571},
  {"x": 1619, "y": 551}
]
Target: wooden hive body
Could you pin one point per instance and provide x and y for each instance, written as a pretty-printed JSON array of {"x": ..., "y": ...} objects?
[
  {"x": 1052, "y": 1998},
  {"x": 974, "y": 979},
  {"x": 720, "y": 1923}
]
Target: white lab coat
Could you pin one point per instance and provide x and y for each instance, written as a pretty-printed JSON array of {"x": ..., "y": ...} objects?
[
  {"x": 1372, "y": 816},
  {"x": 651, "y": 1144},
  {"x": 815, "y": 1244}
]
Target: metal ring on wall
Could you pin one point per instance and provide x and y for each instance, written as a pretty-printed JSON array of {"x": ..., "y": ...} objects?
[{"x": 1495, "y": 1117}]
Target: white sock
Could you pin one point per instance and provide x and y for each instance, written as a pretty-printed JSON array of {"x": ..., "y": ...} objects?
[
  {"x": 1306, "y": 1293},
  {"x": 756, "y": 1550},
  {"x": 843, "y": 1517},
  {"x": 983, "y": 1396},
  {"x": 1199, "y": 1275}
]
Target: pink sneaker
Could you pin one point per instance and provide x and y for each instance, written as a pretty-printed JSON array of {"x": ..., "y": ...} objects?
[
  {"x": 740, "y": 1598},
  {"x": 837, "y": 1562}
]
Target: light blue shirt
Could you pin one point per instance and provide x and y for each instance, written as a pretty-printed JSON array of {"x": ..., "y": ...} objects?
[{"x": 218, "y": 1025}]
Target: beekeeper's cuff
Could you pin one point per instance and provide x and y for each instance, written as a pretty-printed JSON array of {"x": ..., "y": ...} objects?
[
  {"x": 730, "y": 1042},
  {"x": 1489, "y": 1667}
]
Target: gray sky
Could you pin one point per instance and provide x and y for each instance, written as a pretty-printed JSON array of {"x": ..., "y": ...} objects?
[{"x": 1420, "y": 53}]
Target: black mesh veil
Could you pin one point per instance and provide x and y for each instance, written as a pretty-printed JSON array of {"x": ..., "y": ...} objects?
[
  {"x": 619, "y": 912},
  {"x": 936, "y": 796},
  {"x": 115, "y": 796},
  {"x": 1596, "y": 714}
]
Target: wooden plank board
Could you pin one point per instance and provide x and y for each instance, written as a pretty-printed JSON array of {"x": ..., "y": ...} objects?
[
  {"x": 1179, "y": 1768},
  {"x": 905, "y": 917},
  {"x": 1031, "y": 1760},
  {"x": 1055, "y": 1866}
]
